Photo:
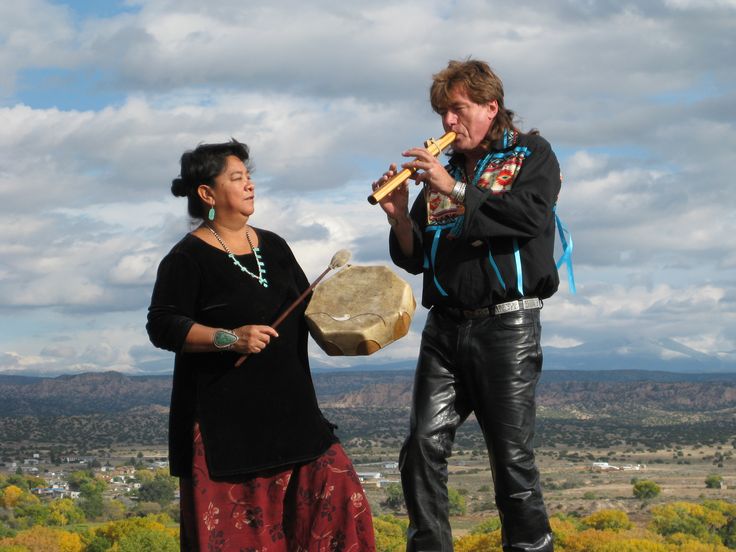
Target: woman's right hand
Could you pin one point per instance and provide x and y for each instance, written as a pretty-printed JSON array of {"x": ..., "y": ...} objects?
[{"x": 253, "y": 339}]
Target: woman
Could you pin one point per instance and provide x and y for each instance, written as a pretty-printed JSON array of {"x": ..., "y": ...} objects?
[{"x": 259, "y": 466}]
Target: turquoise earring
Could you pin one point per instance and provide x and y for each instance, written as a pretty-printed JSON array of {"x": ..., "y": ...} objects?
[{"x": 211, "y": 213}]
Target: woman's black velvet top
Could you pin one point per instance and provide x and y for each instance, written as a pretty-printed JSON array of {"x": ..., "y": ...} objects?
[{"x": 263, "y": 414}]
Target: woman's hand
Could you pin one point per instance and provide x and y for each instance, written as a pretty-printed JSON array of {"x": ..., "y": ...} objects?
[{"x": 253, "y": 338}]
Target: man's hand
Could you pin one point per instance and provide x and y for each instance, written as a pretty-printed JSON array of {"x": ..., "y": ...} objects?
[
  {"x": 395, "y": 204},
  {"x": 429, "y": 170},
  {"x": 396, "y": 207}
]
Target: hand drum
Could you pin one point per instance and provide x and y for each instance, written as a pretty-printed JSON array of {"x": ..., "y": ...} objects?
[{"x": 360, "y": 310}]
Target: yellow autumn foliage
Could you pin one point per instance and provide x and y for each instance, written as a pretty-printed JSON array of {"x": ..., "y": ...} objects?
[
  {"x": 691, "y": 519},
  {"x": 633, "y": 545},
  {"x": 11, "y": 495},
  {"x": 615, "y": 520},
  {"x": 114, "y": 531},
  {"x": 390, "y": 533},
  {"x": 45, "y": 539},
  {"x": 483, "y": 542}
]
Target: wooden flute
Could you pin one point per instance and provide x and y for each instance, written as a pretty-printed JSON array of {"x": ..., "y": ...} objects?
[{"x": 433, "y": 146}]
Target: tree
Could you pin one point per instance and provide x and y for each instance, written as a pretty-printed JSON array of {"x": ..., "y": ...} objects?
[
  {"x": 90, "y": 494},
  {"x": 390, "y": 533},
  {"x": 18, "y": 480},
  {"x": 160, "y": 489},
  {"x": 144, "y": 476},
  {"x": 133, "y": 534},
  {"x": 147, "y": 508},
  {"x": 78, "y": 478},
  {"x": 11, "y": 496},
  {"x": 488, "y": 526},
  {"x": 5, "y": 531},
  {"x": 686, "y": 518},
  {"x": 457, "y": 502},
  {"x": 713, "y": 481},
  {"x": 481, "y": 542},
  {"x": 394, "y": 497},
  {"x": 645, "y": 489},
  {"x": 44, "y": 539},
  {"x": 727, "y": 531},
  {"x": 148, "y": 539},
  {"x": 29, "y": 512},
  {"x": 614, "y": 520},
  {"x": 634, "y": 545},
  {"x": 65, "y": 512},
  {"x": 35, "y": 481},
  {"x": 113, "y": 509}
]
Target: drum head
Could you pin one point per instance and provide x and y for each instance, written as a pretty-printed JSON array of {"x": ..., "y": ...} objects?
[{"x": 360, "y": 310}]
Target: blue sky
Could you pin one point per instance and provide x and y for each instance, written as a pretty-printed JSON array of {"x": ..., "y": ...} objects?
[{"x": 99, "y": 99}]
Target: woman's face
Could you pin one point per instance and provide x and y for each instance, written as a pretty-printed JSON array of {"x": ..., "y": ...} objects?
[{"x": 234, "y": 191}]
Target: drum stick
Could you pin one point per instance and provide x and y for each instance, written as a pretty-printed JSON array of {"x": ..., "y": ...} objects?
[
  {"x": 433, "y": 146},
  {"x": 338, "y": 259}
]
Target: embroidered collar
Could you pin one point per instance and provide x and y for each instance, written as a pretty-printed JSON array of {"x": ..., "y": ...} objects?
[{"x": 508, "y": 140}]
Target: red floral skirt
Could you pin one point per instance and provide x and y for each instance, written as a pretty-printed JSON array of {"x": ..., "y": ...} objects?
[{"x": 315, "y": 507}]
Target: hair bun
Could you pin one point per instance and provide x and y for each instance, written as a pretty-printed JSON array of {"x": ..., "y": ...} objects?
[{"x": 179, "y": 187}]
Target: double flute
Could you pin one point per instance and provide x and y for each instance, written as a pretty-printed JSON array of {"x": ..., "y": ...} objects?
[{"x": 433, "y": 146}]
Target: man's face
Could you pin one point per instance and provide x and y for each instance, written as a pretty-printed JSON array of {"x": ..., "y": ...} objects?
[{"x": 469, "y": 120}]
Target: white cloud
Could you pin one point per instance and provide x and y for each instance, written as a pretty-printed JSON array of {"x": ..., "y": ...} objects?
[
  {"x": 636, "y": 99},
  {"x": 561, "y": 342}
]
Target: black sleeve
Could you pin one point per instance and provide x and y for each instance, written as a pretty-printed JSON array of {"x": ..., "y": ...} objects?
[
  {"x": 299, "y": 277},
  {"x": 524, "y": 211},
  {"x": 415, "y": 263},
  {"x": 171, "y": 314}
]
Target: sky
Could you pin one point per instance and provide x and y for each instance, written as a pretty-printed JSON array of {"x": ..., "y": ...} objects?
[{"x": 98, "y": 100}]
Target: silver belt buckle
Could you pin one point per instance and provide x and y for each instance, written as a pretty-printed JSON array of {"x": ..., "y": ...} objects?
[
  {"x": 509, "y": 306},
  {"x": 516, "y": 305}
]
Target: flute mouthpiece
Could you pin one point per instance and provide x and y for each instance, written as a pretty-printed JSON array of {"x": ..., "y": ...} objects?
[{"x": 340, "y": 258}]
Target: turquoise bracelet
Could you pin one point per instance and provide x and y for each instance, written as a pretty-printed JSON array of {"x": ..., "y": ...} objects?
[{"x": 224, "y": 339}]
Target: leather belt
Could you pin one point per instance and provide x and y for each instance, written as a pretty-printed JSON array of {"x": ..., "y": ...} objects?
[{"x": 527, "y": 303}]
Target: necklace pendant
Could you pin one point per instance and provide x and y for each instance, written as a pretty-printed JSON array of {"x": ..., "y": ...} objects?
[{"x": 256, "y": 254}]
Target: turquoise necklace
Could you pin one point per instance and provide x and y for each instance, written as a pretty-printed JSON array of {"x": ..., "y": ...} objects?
[{"x": 261, "y": 276}]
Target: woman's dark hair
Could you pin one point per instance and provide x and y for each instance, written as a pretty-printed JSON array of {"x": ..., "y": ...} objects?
[{"x": 201, "y": 166}]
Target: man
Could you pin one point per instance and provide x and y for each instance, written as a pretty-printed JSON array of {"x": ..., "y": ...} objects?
[{"x": 481, "y": 232}]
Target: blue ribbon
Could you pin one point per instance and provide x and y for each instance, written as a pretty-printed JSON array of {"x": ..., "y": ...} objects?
[
  {"x": 437, "y": 228},
  {"x": 566, "y": 257},
  {"x": 519, "y": 276},
  {"x": 495, "y": 268}
]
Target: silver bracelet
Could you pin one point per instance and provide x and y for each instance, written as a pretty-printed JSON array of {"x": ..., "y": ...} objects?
[
  {"x": 224, "y": 339},
  {"x": 458, "y": 192}
]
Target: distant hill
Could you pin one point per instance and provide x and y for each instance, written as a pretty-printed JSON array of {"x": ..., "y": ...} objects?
[
  {"x": 575, "y": 409},
  {"x": 91, "y": 393},
  {"x": 636, "y": 353},
  {"x": 601, "y": 392}
]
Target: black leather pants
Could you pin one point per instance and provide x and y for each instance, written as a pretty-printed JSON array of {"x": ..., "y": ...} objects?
[{"x": 489, "y": 366}]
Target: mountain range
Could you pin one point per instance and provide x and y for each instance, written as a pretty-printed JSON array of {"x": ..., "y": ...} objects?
[{"x": 594, "y": 391}]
